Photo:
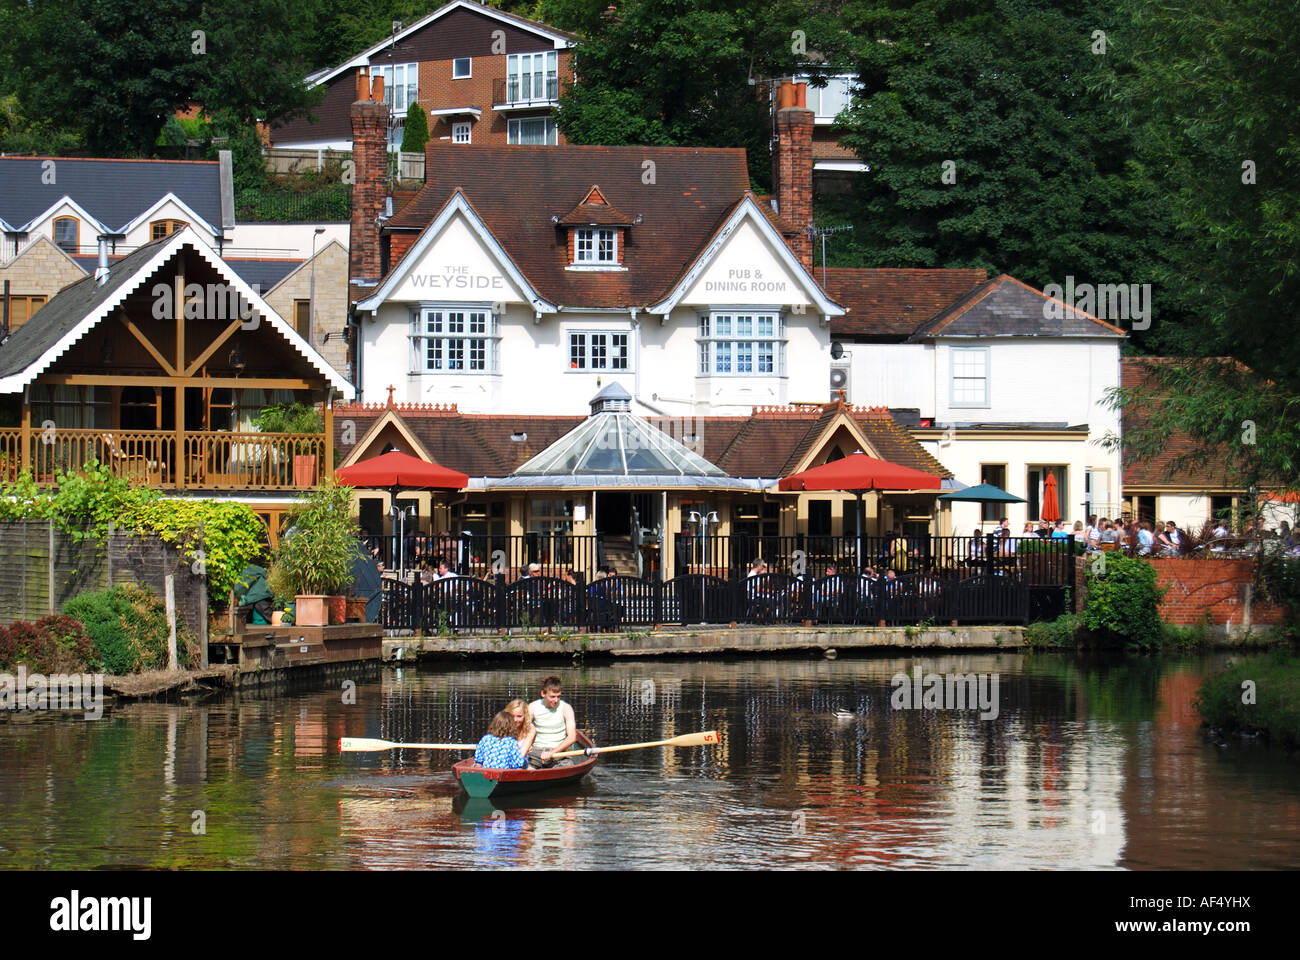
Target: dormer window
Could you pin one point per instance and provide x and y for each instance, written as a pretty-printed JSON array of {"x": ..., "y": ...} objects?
[
  {"x": 595, "y": 246},
  {"x": 67, "y": 234}
]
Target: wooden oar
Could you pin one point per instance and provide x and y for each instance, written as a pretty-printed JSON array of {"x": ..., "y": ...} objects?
[
  {"x": 362, "y": 744},
  {"x": 685, "y": 740}
]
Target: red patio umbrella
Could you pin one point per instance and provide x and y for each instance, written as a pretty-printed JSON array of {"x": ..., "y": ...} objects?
[
  {"x": 859, "y": 473},
  {"x": 1051, "y": 510},
  {"x": 396, "y": 471},
  {"x": 400, "y": 470}
]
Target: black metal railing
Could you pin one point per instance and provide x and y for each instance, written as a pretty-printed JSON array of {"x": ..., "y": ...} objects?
[
  {"x": 485, "y": 555},
  {"x": 459, "y": 603}
]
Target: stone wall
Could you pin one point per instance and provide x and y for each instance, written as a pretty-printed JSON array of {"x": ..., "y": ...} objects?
[
  {"x": 41, "y": 269},
  {"x": 42, "y": 568},
  {"x": 331, "y": 301},
  {"x": 1203, "y": 590}
]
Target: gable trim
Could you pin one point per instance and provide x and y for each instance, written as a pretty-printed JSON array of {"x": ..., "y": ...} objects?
[
  {"x": 372, "y": 434},
  {"x": 819, "y": 444},
  {"x": 195, "y": 240},
  {"x": 747, "y": 209},
  {"x": 456, "y": 204}
]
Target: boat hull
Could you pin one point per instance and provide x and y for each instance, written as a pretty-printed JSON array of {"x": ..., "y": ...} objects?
[{"x": 479, "y": 781}]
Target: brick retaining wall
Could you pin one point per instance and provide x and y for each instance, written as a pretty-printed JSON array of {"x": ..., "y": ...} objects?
[{"x": 1220, "y": 589}]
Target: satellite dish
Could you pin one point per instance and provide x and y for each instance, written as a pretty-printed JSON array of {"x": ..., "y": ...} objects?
[{"x": 837, "y": 350}]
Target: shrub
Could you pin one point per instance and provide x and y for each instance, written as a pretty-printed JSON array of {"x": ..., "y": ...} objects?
[
  {"x": 1123, "y": 603},
  {"x": 128, "y": 626},
  {"x": 1272, "y": 706},
  {"x": 1053, "y": 633},
  {"x": 416, "y": 133},
  {"x": 53, "y": 644},
  {"x": 319, "y": 549}
]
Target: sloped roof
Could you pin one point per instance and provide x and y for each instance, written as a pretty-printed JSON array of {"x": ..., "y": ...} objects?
[
  {"x": 263, "y": 273},
  {"x": 66, "y": 309},
  {"x": 1007, "y": 307},
  {"x": 114, "y": 192},
  {"x": 767, "y": 444},
  {"x": 893, "y": 303},
  {"x": 692, "y": 193}
]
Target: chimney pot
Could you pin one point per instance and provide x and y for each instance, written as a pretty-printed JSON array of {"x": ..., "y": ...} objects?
[
  {"x": 363, "y": 84},
  {"x": 377, "y": 89},
  {"x": 784, "y": 96},
  {"x": 801, "y": 95}
]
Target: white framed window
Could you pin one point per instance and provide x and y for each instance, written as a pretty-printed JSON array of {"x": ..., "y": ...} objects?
[
  {"x": 595, "y": 245},
  {"x": 532, "y": 76},
  {"x": 460, "y": 133},
  {"x": 827, "y": 102},
  {"x": 454, "y": 339},
  {"x": 536, "y": 131},
  {"x": 741, "y": 343},
  {"x": 401, "y": 85},
  {"x": 460, "y": 68},
  {"x": 970, "y": 376},
  {"x": 598, "y": 350}
]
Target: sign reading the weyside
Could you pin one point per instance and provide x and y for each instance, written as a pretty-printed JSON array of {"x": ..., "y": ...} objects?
[{"x": 456, "y": 266}]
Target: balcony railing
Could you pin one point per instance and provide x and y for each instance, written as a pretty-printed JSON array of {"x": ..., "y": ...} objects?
[
  {"x": 526, "y": 89},
  {"x": 209, "y": 460}
]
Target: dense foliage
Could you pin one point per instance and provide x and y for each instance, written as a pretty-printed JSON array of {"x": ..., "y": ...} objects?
[
  {"x": 1061, "y": 632},
  {"x": 1260, "y": 696},
  {"x": 84, "y": 505},
  {"x": 128, "y": 626},
  {"x": 415, "y": 134},
  {"x": 53, "y": 644},
  {"x": 1123, "y": 602}
]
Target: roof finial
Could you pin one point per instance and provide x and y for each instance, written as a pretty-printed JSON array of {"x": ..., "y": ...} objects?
[{"x": 391, "y": 388}]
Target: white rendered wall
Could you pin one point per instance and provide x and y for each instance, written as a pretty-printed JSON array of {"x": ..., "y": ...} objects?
[{"x": 282, "y": 240}]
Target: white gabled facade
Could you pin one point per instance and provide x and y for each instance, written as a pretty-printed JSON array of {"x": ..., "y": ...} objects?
[{"x": 457, "y": 322}]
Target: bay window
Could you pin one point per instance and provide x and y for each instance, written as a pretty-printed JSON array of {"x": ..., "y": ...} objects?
[
  {"x": 454, "y": 340},
  {"x": 532, "y": 76}
]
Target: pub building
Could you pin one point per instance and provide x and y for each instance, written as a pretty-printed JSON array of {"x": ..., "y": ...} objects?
[
  {"x": 158, "y": 366},
  {"x": 523, "y": 284}
]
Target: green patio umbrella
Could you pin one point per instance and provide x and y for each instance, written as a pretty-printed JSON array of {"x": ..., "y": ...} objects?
[{"x": 983, "y": 493}]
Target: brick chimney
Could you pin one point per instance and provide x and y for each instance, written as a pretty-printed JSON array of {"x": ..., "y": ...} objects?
[
  {"x": 369, "y": 188},
  {"x": 792, "y": 165}
]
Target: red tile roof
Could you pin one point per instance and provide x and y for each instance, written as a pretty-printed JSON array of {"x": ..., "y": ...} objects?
[
  {"x": 518, "y": 190},
  {"x": 893, "y": 303}
]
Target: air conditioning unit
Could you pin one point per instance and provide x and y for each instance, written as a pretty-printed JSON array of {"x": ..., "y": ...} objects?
[{"x": 841, "y": 380}]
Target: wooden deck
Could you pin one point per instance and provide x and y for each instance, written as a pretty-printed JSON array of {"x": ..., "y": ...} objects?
[{"x": 262, "y": 647}]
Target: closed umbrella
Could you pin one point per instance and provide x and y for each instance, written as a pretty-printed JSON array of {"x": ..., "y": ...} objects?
[{"x": 1051, "y": 511}]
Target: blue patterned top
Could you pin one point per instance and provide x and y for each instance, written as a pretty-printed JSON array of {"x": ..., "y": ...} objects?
[{"x": 500, "y": 753}]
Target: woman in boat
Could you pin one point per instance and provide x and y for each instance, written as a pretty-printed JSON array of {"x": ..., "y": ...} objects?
[
  {"x": 524, "y": 729},
  {"x": 499, "y": 749}
]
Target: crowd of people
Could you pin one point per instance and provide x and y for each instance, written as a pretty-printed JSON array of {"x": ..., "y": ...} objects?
[{"x": 1143, "y": 538}]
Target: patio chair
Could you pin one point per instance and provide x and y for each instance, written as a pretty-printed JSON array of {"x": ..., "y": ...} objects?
[{"x": 132, "y": 465}]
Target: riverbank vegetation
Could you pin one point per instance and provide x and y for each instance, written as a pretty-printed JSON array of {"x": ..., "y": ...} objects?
[
  {"x": 223, "y": 536},
  {"x": 1261, "y": 697}
]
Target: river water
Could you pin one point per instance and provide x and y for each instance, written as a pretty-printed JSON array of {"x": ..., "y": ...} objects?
[{"x": 1089, "y": 763}]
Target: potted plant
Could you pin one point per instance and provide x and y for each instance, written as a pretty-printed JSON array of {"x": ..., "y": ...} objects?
[
  {"x": 317, "y": 554},
  {"x": 295, "y": 418}
]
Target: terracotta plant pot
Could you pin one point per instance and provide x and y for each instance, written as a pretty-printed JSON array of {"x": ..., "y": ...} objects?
[
  {"x": 304, "y": 470},
  {"x": 277, "y": 618},
  {"x": 357, "y": 609},
  {"x": 312, "y": 611},
  {"x": 338, "y": 608}
]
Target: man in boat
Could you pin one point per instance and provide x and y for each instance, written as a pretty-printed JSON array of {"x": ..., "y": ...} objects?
[{"x": 555, "y": 725}]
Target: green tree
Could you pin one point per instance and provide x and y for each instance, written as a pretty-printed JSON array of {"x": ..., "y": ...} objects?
[
  {"x": 987, "y": 147},
  {"x": 1211, "y": 92},
  {"x": 416, "y": 132},
  {"x": 679, "y": 72}
]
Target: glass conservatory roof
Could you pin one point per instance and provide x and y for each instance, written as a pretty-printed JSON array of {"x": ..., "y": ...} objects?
[{"x": 614, "y": 442}]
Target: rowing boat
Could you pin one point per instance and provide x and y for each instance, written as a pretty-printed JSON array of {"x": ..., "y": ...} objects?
[{"x": 480, "y": 781}]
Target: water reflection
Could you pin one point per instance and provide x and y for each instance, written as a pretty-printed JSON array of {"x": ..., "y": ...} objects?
[{"x": 1089, "y": 763}]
